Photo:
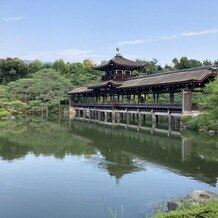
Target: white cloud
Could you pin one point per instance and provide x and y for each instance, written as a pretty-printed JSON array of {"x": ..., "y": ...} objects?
[
  {"x": 131, "y": 42},
  {"x": 13, "y": 18},
  {"x": 211, "y": 31},
  {"x": 166, "y": 37},
  {"x": 169, "y": 37},
  {"x": 70, "y": 55}
]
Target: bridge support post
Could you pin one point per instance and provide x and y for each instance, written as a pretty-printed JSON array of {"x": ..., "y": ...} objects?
[
  {"x": 127, "y": 118},
  {"x": 98, "y": 115},
  {"x": 186, "y": 101},
  {"x": 118, "y": 117},
  {"x": 105, "y": 116},
  {"x": 153, "y": 120},
  {"x": 169, "y": 122},
  {"x": 139, "y": 119},
  {"x": 95, "y": 114},
  {"x": 84, "y": 113},
  {"x": 113, "y": 117}
]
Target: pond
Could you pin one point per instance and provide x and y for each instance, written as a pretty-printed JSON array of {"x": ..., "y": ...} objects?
[{"x": 61, "y": 168}]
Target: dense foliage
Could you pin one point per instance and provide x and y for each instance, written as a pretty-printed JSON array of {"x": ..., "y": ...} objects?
[
  {"x": 12, "y": 69},
  {"x": 209, "y": 103},
  {"x": 43, "y": 90}
]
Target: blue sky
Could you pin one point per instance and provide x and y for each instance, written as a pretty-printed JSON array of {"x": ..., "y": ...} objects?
[{"x": 75, "y": 30}]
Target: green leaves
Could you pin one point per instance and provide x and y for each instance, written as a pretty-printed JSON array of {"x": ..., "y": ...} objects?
[{"x": 46, "y": 88}]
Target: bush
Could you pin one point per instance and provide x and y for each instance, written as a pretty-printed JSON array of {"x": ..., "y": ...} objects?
[
  {"x": 186, "y": 118},
  {"x": 208, "y": 210},
  {"x": 4, "y": 113},
  {"x": 204, "y": 122},
  {"x": 15, "y": 107}
]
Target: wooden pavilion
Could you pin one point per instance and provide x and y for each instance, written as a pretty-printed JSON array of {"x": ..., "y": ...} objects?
[{"x": 121, "y": 90}]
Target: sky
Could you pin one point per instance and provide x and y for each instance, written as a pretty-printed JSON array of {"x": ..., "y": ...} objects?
[{"x": 75, "y": 30}]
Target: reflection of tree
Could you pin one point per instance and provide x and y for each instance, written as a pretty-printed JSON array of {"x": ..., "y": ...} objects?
[
  {"x": 122, "y": 151},
  {"x": 41, "y": 138},
  {"x": 121, "y": 147}
]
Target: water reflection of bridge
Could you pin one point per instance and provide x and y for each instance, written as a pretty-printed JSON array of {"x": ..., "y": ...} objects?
[
  {"x": 124, "y": 150},
  {"x": 117, "y": 150}
]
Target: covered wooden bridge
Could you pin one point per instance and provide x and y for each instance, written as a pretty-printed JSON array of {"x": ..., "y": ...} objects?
[{"x": 121, "y": 91}]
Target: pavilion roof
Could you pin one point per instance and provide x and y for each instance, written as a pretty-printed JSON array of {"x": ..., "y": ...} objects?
[
  {"x": 81, "y": 90},
  {"x": 106, "y": 83},
  {"x": 195, "y": 75},
  {"x": 191, "y": 75},
  {"x": 118, "y": 60}
]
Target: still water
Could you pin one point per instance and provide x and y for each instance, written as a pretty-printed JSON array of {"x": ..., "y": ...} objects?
[{"x": 78, "y": 169}]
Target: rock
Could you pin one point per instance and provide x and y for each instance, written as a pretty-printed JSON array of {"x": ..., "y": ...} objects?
[
  {"x": 202, "y": 196},
  {"x": 211, "y": 132},
  {"x": 172, "y": 204}
]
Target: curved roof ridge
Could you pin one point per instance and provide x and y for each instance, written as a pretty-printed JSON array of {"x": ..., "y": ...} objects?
[
  {"x": 120, "y": 61},
  {"x": 211, "y": 67}
]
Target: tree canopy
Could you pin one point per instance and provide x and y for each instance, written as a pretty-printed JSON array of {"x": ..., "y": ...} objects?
[{"x": 45, "y": 89}]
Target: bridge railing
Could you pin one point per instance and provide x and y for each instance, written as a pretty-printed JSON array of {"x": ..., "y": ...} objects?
[{"x": 127, "y": 105}]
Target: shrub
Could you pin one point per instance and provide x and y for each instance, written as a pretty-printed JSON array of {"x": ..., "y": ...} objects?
[
  {"x": 15, "y": 107},
  {"x": 186, "y": 118},
  {"x": 204, "y": 122},
  {"x": 4, "y": 113}
]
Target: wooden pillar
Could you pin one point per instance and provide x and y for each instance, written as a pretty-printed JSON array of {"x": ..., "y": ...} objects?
[
  {"x": 118, "y": 117},
  {"x": 139, "y": 119},
  {"x": 153, "y": 120},
  {"x": 186, "y": 101},
  {"x": 84, "y": 113},
  {"x": 139, "y": 98},
  {"x": 113, "y": 117},
  {"x": 127, "y": 118},
  {"x": 171, "y": 97},
  {"x": 105, "y": 116},
  {"x": 95, "y": 115},
  {"x": 111, "y": 100},
  {"x": 157, "y": 98},
  {"x": 169, "y": 122},
  {"x": 89, "y": 114},
  {"x": 154, "y": 97},
  {"x": 145, "y": 98},
  {"x": 99, "y": 115}
]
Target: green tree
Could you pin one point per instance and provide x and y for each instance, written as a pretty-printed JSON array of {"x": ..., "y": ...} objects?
[
  {"x": 12, "y": 69},
  {"x": 60, "y": 66},
  {"x": 185, "y": 63},
  {"x": 45, "y": 89},
  {"x": 209, "y": 103},
  {"x": 207, "y": 62},
  {"x": 35, "y": 66},
  {"x": 210, "y": 99},
  {"x": 150, "y": 67}
]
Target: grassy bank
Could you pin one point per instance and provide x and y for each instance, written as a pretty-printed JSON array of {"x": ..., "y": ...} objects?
[{"x": 207, "y": 210}]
